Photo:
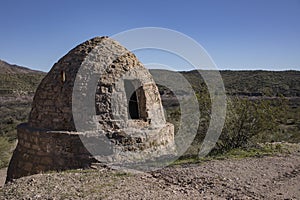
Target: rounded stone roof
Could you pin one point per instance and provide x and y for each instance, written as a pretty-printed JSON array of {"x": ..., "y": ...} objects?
[{"x": 62, "y": 97}]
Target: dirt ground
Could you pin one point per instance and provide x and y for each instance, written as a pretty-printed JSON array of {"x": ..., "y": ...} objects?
[{"x": 273, "y": 177}]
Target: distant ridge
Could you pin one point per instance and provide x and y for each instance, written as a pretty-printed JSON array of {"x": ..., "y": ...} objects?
[
  {"x": 6, "y": 68},
  {"x": 16, "y": 80},
  {"x": 248, "y": 83}
]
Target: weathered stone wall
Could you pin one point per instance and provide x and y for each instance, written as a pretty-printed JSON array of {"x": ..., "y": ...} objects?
[{"x": 40, "y": 150}]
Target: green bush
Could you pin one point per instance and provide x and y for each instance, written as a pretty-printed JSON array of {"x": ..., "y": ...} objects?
[{"x": 246, "y": 121}]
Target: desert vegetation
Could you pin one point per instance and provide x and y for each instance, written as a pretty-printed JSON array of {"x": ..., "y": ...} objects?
[{"x": 262, "y": 107}]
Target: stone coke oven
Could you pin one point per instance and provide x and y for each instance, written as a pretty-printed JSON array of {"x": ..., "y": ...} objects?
[{"x": 125, "y": 122}]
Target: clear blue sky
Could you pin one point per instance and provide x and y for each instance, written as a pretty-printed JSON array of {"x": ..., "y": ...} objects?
[{"x": 238, "y": 34}]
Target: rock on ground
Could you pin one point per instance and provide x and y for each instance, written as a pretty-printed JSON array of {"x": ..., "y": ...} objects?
[{"x": 2, "y": 176}]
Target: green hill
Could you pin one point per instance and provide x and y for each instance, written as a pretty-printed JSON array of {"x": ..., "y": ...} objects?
[
  {"x": 18, "y": 80},
  {"x": 17, "y": 87},
  {"x": 254, "y": 83}
]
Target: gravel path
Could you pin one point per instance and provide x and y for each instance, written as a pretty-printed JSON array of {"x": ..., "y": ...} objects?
[{"x": 275, "y": 177}]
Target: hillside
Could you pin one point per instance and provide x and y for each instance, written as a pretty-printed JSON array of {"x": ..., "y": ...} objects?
[
  {"x": 15, "y": 78},
  {"x": 255, "y": 83},
  {"x": 7, "y": 68},
  {"x": 17, "y": 87},
  {"x": 18, "y": 80}
]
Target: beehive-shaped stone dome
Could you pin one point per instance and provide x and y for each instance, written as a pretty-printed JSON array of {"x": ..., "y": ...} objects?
[
  {"x": 120, "y": 77},
  {"x": 97, "y": 92}
]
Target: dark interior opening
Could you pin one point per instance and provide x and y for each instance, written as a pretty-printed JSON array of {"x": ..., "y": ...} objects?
[{"x": 133, "y": 106}]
